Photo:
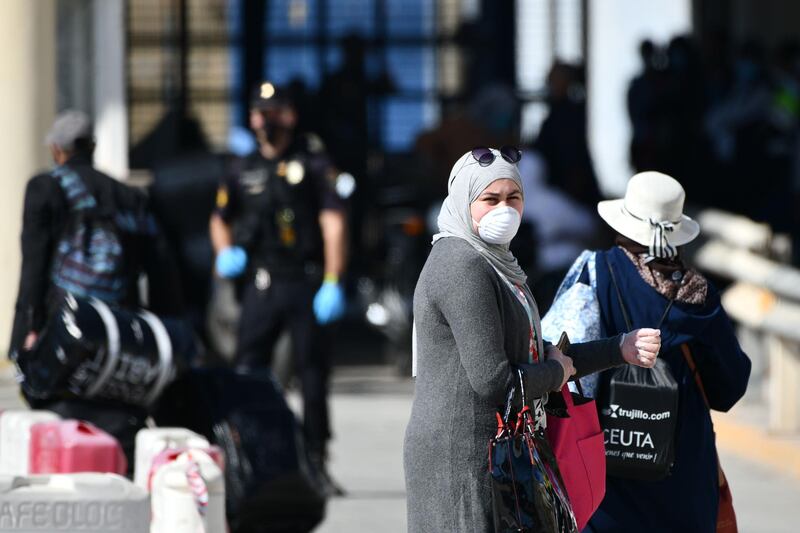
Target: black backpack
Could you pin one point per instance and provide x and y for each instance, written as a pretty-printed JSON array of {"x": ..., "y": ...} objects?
[{"x": 89, "y": 260}]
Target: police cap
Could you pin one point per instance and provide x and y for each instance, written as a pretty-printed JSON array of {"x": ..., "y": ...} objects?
[{"x": 267, "y": 95}]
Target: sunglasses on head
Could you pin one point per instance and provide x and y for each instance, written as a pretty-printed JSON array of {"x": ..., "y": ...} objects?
[{"x": 485, "y": 156}]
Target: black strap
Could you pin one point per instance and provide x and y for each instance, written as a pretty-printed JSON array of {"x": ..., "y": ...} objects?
[
  {"x": 666, "y": 312},
  {"x": 622, "y": 303},
  {"x": 619, "y": 294}
]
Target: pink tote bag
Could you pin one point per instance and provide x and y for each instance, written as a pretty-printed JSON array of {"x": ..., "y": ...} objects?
[{"x": 574, "y": 433}]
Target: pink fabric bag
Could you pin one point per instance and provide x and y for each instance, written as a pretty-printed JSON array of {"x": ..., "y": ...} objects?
[{"x": 574, "y": 433}]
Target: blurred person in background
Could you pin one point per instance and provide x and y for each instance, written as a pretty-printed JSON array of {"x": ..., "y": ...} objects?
[
  {"x": 279, "y": 228},
  {"x": 685, "y": 153},
  {"x": 125, "y": 244},
  {"x": 562, "y": 227},
  {"x": 490, "y": 118},
  {"x": 736, "y": 128},
  {"x": 645, "y": 107},
  {"x": 347, "y": 118},
  {"x": 560, "y": 183},
  {"x": 562, "y": 140},
  {"x": 343, "y": 119},
  {"x": 782, "y": 131},
  {"x": 185, "y": 173}
]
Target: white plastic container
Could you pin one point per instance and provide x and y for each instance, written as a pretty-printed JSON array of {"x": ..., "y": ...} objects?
[
  {"x": 15, "y": 439},
  {"x": 84, "y": 502},
  {"x": 176, "y": 498},
  {"x": 151, "y": 442}
]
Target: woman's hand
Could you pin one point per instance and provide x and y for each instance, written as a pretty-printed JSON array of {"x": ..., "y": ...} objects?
[
  {"x": 640, "y": 347},
  {"x": 551, "y": 352}
]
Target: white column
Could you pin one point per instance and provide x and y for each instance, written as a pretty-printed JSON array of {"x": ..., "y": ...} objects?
[
  {"x": 534, "y": 58},
  {"x": 27, "y": 108},
  {"x": 616, "y": 27},
  {"x": 110, "y": 109}
]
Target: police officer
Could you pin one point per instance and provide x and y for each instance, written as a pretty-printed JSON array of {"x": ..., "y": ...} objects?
[{"x": 280, "y": 227}]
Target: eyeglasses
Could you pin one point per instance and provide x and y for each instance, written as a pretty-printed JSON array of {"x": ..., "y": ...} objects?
[{"x": 485, "y": 156}]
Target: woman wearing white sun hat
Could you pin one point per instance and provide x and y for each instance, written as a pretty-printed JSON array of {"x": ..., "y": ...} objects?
[{"x": 648, "y": 266}]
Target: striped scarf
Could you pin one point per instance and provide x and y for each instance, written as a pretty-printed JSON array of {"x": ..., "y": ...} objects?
[{"x": 659, "y": 247}]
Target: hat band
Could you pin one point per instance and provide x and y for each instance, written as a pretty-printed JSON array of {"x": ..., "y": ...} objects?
[
  {"x": 659, "y": 246},
  {"x": 627, "y": 211}
]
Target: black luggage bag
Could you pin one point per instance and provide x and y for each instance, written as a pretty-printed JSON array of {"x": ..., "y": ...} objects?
[
  {"x": 91, "y": 351},
  {"x": 270, "y": 486}
]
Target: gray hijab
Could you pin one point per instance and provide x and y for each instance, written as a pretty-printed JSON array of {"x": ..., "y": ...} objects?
[{"x": 468, "y": 179}]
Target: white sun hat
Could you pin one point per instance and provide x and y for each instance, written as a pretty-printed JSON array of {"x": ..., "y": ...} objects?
[{"x": 651, "y": 214}]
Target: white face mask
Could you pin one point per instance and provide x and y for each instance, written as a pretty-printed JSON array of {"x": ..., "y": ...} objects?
[{"x": 499, "y": 225}]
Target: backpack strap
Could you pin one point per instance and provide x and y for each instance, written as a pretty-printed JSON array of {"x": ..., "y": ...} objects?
[{"x": 75, "y": 190}]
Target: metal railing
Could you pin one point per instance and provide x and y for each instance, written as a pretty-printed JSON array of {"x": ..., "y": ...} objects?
[{"x": 764, "y": 300}]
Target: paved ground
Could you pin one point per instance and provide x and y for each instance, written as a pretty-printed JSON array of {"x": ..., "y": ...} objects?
[{"x": 370, "y": 411}]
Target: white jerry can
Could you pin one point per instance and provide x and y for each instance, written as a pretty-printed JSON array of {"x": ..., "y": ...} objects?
[
  {"x": 188, "y": 495},
  {"x": 86, "y": 502},
  {"x": 151, "y": 442},
  {"x": 15, "y": 439}
]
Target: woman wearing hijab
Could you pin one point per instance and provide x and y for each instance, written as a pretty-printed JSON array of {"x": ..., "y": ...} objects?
[
  {"x": 476, "y": 321},
  {"x": 656, "y": 286}
]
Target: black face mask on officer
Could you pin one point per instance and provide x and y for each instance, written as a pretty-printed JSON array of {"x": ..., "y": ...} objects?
[{"x": 275, "y": 124}]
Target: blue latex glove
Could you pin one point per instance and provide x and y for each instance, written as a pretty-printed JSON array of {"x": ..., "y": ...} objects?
[
  {"x": 231, "y": 262},
  {"x": 329, "y": 303}
]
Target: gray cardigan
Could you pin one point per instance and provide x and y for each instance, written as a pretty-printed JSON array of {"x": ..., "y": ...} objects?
[{"x": 470, "y": 330}]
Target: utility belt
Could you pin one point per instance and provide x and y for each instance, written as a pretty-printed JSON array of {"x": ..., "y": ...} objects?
[{"x": 263, "y": 274}]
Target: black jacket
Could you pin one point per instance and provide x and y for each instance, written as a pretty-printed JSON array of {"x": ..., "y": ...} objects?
[{"x": 46, "y": 213}]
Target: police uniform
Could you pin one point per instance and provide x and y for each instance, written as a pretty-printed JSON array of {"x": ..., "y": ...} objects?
[{"x": 273, "y": 208}]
